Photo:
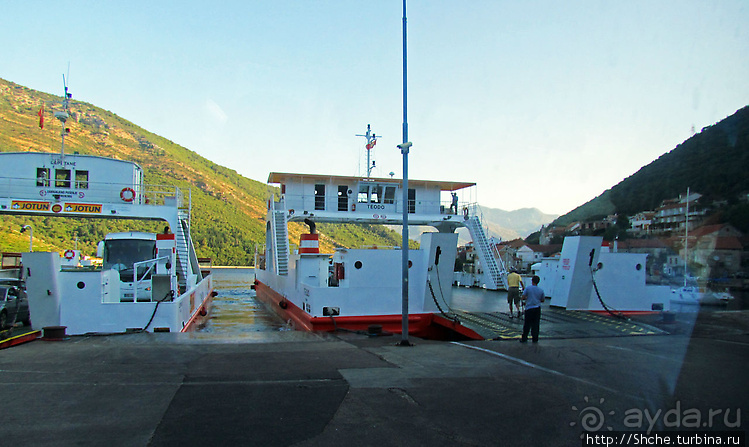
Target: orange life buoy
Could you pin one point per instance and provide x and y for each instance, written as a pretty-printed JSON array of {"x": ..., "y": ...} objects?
[
  {"x": 69, "y": 254},
  {"x": 127, "y": 194}
]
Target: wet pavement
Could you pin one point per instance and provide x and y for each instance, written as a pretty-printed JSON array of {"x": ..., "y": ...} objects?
[{"x": 299, "y": 389}]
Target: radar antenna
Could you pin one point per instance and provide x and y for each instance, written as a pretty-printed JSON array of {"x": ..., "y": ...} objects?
[
  {"x": 371, "y": 141},
  {"x": 63, "y": 116}
]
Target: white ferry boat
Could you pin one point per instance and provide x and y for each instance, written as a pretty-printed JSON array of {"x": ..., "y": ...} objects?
[
  {"x": 355, "y": 288},
  {"x": 148, "y": 282}
]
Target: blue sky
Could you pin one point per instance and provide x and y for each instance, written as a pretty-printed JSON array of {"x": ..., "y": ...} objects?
[{"x": 542, "y": 103}]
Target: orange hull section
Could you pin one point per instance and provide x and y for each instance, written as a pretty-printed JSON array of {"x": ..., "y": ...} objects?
[{"x": 424, "y": 325}]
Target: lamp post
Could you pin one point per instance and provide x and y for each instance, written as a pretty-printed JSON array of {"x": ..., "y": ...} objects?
[
  {"x": 404, "y": 147},
  {"x": 31, "y": 236}
]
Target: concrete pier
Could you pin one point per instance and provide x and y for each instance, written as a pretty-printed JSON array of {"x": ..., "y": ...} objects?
[{"x": 301, "y": 389}]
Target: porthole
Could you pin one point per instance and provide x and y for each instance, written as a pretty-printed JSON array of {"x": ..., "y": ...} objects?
[
  {"x": 410, "y": 263},
  {"x": 357, "y": 264},
  {"x": 81, "y": 285},
  {"x": 638, "y": 267},
  {"x": 599, "y": 266}
]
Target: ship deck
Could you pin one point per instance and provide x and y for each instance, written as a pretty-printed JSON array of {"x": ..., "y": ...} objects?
[{"x": 556, "y": 323}]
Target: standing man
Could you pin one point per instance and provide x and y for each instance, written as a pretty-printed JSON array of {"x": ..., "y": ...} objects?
[
  {"x": 454, "y": 204},
  {"x": 514, "y": 281},
  {"x": 533, "y": 297}
]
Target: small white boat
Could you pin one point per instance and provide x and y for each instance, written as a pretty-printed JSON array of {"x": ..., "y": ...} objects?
[
  {"x": 694, "y": 295},
  {"x": 699, "y": 296}
]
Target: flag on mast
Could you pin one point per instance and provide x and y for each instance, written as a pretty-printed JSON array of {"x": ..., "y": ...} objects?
[
  {"x": 41, "y": 117},
  {"x": 371, "y": 144}
]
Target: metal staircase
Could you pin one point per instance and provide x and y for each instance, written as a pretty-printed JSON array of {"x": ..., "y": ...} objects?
[
  {"x": 183, "y": 242},
  {"x": 280, "y": 231},
  {"x": 494, "y": 269}
]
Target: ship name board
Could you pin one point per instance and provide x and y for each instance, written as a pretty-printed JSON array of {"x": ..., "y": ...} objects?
[
  {"x": 87, "y": 208},
  {"x": 28, "y": 205}
]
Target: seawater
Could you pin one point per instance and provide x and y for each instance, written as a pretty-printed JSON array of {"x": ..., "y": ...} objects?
[{"x": 236, "y": 310}]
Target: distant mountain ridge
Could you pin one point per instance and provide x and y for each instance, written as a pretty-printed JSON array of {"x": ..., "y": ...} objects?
[
  {"x": 515, "y": 224},
  {"x": 714, "y": 162}
]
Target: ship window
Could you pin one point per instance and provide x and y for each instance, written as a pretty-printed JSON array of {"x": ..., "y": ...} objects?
[
  {"x": 389, "y": 194},
  {"x": 376, "y": 196},
  {"x": 81, "y": 179},
  {"x": 319, "y": 197},
  {"x": 342, "y": 198},
  {"x": 62, "y": 178},
  {"x": 638, "y": 267},
  {"x": 357, "y": 264},
  {"x": 42, "y": 177},
  {"x": 363, "y": 196}
]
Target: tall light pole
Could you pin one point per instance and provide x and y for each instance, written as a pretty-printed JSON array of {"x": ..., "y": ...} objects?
[
  {"x": 404, "y": 147},
  {"x": 31, "y": 236}
]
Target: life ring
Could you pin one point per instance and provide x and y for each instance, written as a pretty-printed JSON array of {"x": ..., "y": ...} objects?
[
  {"x": 127, "y": 194},
  {"x": 69, "y": 254}
]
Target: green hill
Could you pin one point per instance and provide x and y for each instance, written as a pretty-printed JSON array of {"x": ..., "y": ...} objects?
[
  {"x": 228, "y": 209},
  {"x": 713, "y": 162}
]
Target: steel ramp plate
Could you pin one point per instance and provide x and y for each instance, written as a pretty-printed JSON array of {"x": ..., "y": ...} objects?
[{"x": 555, "y": 323}]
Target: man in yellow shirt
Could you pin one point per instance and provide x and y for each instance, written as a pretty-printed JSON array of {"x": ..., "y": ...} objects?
[{"x": 514, "y": 282}]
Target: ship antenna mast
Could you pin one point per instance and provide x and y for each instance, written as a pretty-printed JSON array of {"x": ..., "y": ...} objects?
[
  {"x": 371, "y": 141},
  {"x": 63, "y": 116}
]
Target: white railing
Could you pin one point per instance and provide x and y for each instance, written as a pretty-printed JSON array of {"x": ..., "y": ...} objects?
[{"x": 136, "y": 282}]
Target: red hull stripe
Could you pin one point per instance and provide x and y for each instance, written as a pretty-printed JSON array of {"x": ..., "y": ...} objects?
[
  {"x": 196, "y": 320},
  {"x": 23, "y": 338},
  {"x": 424, "y": 325}
]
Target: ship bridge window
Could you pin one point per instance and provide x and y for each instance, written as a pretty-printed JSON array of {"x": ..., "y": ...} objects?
[
  {"x": 42, "y": 177},
  {"x": 363, "y": 196},
  {"x": 376, "y": 196},
  {"x": 375, "y": 193},
  {"x": 320, "y": 197},
  {"x": 62, "y": 178},
  {"x": 389, "y": 195},
  {"x": 81, "y": 179},
  {"x": 342, "y": 198}
]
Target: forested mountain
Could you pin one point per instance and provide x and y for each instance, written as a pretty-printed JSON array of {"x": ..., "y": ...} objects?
[
  {"x": 228, "y": 209},
  {"x": 713, "y": 162}
]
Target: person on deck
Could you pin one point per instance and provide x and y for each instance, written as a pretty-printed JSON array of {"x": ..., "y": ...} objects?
[
  {"x": 514, "y": 282},
  {"x": 533, "y": 297},
  {"x": 454, "y": 204}
]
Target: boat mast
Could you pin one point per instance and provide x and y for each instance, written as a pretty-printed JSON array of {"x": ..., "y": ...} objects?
[
  {"x": 63, "y": 116},
  {"x": 404, "y": 147},
  {"x": 371, "y": 141}
]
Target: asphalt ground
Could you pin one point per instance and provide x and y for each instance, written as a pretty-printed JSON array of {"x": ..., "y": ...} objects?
[{"x": 300, "y": 389}]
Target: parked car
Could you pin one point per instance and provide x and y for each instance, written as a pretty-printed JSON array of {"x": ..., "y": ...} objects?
[
  {"x": 14, "y": 306},
  {"x": 19, "y": 283}
]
